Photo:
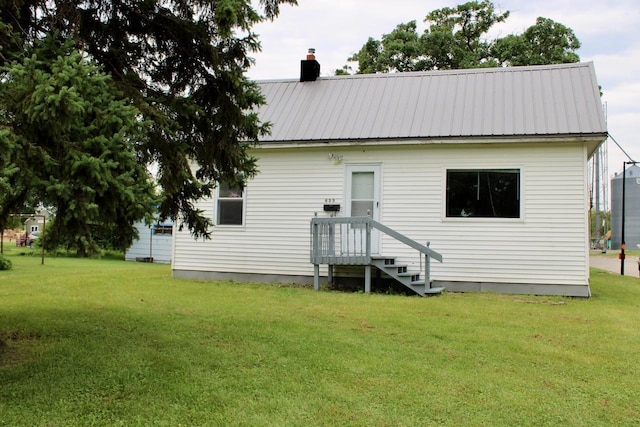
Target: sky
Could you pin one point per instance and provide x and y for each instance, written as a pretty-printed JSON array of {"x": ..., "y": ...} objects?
[{"x": 609, "y": 31}]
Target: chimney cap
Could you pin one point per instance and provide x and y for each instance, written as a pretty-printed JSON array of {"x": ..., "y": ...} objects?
[{"x": 311, "y": 54}]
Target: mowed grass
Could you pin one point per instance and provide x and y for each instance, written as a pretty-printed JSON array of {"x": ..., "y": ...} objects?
[{"x": 107, "y": 342}]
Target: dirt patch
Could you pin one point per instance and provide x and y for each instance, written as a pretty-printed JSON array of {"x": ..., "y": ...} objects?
[{"x": 14, "y": 348}]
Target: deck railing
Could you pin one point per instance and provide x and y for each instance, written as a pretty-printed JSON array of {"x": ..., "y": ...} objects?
[
  {"x": 341, "y": 240},
  {"x": 347, "y": 241}
]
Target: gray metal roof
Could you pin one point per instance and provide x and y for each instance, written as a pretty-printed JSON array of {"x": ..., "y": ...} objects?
[{"x": 551, "y": 100}]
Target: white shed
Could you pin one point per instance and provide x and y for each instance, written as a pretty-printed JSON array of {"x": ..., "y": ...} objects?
[
  {"x": 154, "y": 243},
  {"x": 488, "y": 165}
]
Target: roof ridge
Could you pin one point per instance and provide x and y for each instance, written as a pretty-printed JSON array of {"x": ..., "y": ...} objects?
[{"x": 461, "y": 71}]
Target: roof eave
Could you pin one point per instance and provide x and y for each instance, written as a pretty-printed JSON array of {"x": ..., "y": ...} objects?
[{"x": 593, "y": 140}]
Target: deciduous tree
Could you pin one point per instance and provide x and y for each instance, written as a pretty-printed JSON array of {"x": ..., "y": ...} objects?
[
  {"x": 457, "y": 37},
  {"x": 546, "y": 42}
]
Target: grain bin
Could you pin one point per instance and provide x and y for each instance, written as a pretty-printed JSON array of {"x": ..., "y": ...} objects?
[{"x": 632, "y": 208}]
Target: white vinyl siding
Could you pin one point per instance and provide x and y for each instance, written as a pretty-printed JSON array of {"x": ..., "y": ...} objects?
[
  {"x": 281, "y": 200},
  {"x": 546, "y": 245}
]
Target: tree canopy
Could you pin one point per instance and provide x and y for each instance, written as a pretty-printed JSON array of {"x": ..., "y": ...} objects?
[
  {"x": 94, "y": 91},
  {"x": 71, "y": 144},
  {"x": 457, "y": 38}
]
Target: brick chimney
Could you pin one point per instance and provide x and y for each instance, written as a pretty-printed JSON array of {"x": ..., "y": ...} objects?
[{"x": 309, "y": 68}]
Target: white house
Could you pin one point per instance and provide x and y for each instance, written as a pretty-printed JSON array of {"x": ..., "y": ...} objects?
[
  {"x": 488, "y": 165},
  {"x": 36, "y": 222}
]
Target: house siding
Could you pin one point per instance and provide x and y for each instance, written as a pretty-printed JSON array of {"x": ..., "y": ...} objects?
[{"x": 546, "y": 246}]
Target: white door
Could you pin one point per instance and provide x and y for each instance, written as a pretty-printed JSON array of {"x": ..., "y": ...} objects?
[{"x": 363, "y": 199}]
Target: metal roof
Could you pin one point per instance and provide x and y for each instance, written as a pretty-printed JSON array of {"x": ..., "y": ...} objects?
[{"x": 550, "y": 100}]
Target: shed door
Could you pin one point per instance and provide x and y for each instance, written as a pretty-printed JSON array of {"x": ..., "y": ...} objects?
[{"x": 363, "y": 199}]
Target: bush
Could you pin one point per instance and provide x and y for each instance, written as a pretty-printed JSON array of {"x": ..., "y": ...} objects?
[{"x": 5, "y": 264}]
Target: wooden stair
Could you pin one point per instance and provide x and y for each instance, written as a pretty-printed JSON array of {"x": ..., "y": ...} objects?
[{"x": 402, "y": 274}]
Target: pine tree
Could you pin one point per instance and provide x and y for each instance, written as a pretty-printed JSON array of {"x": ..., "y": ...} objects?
[
  {"x": 182, "y": 64},
  {"x": 69, "y": 139}
]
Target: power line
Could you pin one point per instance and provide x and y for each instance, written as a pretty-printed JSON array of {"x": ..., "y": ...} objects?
[{"x": 620, "y": 147}]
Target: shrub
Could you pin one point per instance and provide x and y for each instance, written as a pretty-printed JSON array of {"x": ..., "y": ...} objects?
[{"x": 5, "y": 264}]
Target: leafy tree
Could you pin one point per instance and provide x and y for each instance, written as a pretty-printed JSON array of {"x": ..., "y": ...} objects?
[
  {"x": 457, "y": 38},
  {"x": 547, "y": 42},
  {"x": 455, "y": 35},
  {"x": 70, "y": 144},
  {"x": 180, "y": 63}
]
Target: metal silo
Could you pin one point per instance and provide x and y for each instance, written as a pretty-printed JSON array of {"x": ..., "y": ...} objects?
[{"x": 632, "y": 208}]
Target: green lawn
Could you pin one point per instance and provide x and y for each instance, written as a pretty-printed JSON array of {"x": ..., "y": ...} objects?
[{"x": 107, "y": 342}]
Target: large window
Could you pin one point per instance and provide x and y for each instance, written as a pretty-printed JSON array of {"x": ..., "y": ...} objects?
[
  {"x": 230, "y": 205},
  {"x": 483, "y": 193}
]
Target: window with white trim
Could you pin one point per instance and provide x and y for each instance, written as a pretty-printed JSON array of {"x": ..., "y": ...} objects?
[
  {"x": 229, "y": 205},
  {"x": 483, "y": 193},
  {"x": 162, "y": 230}
]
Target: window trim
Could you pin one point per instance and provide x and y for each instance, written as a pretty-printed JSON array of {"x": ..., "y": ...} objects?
[
  {"x": 165, "y": 229},
  {"x": 216, "y": 212},
  {"x": 484, "y": 167}
]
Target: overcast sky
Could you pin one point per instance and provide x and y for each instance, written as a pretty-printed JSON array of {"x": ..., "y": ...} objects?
[{"x": 609, "y": 31}]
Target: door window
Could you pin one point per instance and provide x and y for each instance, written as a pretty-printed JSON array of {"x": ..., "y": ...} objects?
[{"x": 362, "y": 193}]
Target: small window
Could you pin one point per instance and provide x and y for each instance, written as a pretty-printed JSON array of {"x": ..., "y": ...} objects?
[
  {"x": 483, "y": 193},
  {"x": 230, "y": 205},
  {"x": 162, "y": 230},
  {"x": 34, "y": 228}
]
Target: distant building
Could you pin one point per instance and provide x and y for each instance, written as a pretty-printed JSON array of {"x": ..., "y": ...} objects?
[
  {"x": 153, "y": 244},
  {"x": 35, "y": 223},
  {"x": 632, "y": 208}
]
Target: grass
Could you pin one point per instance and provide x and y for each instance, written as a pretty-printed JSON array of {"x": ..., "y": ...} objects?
[
  {"x": 633, "y": 253},
  {"x": 107, "y": 342}
]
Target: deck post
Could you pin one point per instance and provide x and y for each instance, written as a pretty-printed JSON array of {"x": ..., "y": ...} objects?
[
  {"x": 427, "y": 273},
  {"x": 316, "y": 277},
  {"x": 315, "y": 246},
  {"x": 427, "y": 270},
  {"x": 367, "y": 278},
  {"x": 330, "y": 274}
]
